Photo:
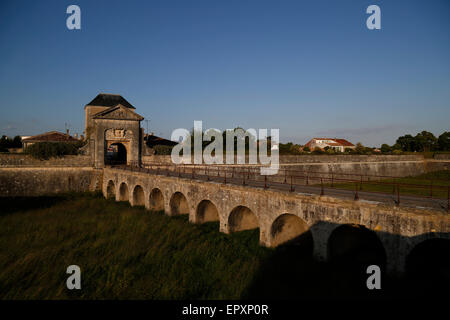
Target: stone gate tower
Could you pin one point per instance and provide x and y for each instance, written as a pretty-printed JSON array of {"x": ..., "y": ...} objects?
[{"x": 113, "y": 130}]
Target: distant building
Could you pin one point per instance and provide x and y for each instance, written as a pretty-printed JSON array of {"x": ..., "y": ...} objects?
[
  {"x": 333, "y": 143},
  {"x": 151, "y": 140},
  {"x": 52, "y": 136}
]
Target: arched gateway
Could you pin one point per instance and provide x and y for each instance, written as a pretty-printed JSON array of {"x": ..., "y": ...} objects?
[{"x": 113, "y": 130}]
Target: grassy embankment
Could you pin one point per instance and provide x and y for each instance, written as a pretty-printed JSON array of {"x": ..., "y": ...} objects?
[
  {"x": 422, "y": 185},
  {"x": 130, "y": 253}
]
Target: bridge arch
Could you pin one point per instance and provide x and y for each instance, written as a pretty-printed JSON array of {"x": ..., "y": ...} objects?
[
  {"x": 242, "y": 218},
  {"x": 289, "y": 229},
  {"x": 138, "y": 196},
  {"x": 179, "y": 204},
  {"x": 123, "y": 192},
  {"x": 354, "y": 244},
  {"x": 428, "y": 263},
  {"x": 206, "y": 212},
  {"x": 156, "y": 200},
  {"x": 111, "y": 190}
]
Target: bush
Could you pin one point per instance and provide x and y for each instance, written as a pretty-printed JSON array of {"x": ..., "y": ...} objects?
[
  {"x": 47, "y": 150},
  {"x": 385, "y": 148},
  {"x": 317, "y": 150},
  {"x": 349, "y": 151},
  {"x": 162, "y": 149}
]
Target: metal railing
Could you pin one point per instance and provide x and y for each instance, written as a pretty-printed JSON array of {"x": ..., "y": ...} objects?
[{"x": 292, "y": 180}]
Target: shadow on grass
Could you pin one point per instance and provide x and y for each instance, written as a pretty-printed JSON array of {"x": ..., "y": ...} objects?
[
  {"x": 11, "y": 205},
  {"x": 291, "y": 272}
]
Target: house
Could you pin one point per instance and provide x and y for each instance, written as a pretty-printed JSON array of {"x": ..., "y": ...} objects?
[
  {"x": 333, "y": 143},
  {"x": 52, "y": 136},
  {"x": 151, "y": 140}
]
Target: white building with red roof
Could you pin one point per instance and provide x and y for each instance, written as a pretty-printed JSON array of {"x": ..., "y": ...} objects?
[{"x": 333, "y": 143}]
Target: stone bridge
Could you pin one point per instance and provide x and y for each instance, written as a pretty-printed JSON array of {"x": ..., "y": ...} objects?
[{"x": 334, "y": 225}]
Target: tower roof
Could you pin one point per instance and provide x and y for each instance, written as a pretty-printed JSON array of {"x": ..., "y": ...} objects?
[{"x": 110, "y": 100}]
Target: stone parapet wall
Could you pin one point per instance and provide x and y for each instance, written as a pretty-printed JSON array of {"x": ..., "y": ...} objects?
[
  {"x": 348, "y": 158},
  {"x": 442, "y": 156},
  {"x": 165, "y": 159},
  {"x": 36, "y": 181}
]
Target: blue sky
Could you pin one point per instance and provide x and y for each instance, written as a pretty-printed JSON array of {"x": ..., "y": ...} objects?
[{"x": 309, "y": 68}]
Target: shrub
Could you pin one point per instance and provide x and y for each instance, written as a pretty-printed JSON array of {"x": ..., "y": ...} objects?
[
  {"x": 385, "y": 148},
  {"x": 162, "y": 149},
  {"x": 350, "y": 151},
  {"x": 47, "y": 150},
  {"x": 317, "y": 150}
]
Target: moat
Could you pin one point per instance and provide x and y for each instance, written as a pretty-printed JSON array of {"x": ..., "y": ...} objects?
[{"x": 129, "y": 252}]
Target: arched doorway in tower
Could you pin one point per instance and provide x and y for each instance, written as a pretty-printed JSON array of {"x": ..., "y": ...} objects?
[{"x": 116, "y": 153}]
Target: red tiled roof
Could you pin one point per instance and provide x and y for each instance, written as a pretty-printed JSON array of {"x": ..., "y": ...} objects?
[
  {"x": 337, "y": 142},
  {"x": 344, "y": 142},
  {"x": 52, "y": 136}
]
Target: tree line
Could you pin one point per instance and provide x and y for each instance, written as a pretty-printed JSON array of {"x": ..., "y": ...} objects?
[
  {"x": 422, "y": 142},
  {"x": 8, "y": 143},
  {"x": 42, "y": 150}
]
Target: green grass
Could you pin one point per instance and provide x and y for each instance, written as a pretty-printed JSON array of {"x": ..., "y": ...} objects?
[
  {"x": 131, "y": 253},
  {"x": 422, "y": 182},
  {"x": 123, "y": 252}
]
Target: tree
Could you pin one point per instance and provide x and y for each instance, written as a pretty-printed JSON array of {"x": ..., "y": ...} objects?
[
  {"x": 17, "y": 142},
  {"x": 6, "y": 143},
  {"x": 396, "y": 147},
  {"x": 306, "y": 149},
  {"x": 407, "y": 143},
  {"x": 444, "y": 141},
  {"x": 47, "y": 150},
  {"x": 360, "y": 149},
  {"x": 425, "y": 141},
  {"x": 289, "y": 148},
  {"x": 285, "y": 148},
  {"x": 385, "y": 148}
]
